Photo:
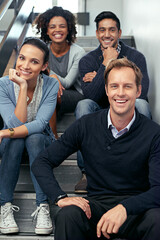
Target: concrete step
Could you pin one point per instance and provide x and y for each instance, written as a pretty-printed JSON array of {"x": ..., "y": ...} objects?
[
  {"x": 87, "y": 41},
  {"x": 66, "y": 120},
  {"x": 89, "y": 49},
  {"x": 67, "y": 174},
  {"x": 24, "y": 237}
]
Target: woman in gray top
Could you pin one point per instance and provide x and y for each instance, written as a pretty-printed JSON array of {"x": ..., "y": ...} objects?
[{"x": 57, "y": 28}]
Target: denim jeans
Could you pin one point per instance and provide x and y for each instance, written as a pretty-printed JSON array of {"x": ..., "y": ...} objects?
[
  {"x": 88, "y": 106},
  {"x": 143, "y": 107},
  {"x": 11, "y": 151}
]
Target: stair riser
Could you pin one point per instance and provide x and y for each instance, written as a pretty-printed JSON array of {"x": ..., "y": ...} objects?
[{"x": 67, "y": 176}]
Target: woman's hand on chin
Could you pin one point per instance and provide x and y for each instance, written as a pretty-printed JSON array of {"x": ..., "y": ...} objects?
[{"x": 14, "y": 76}]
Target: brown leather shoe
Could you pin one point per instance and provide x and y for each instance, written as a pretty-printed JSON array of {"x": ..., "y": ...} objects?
[{"x": 81, "y": 186}]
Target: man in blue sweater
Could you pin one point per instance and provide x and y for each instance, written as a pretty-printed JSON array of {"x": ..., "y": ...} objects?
[
  {"x": 92, "y": 68},
  {"x": 121, "y": 150}
]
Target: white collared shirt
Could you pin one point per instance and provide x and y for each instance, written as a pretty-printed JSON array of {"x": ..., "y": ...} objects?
[{"x": 114, "y": 131}]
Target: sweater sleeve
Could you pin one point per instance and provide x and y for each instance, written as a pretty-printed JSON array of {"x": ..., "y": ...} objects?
[
  {"x": 151, "y": 198},
  {"x": 7, "y": 106},
  {"x": 94, "y": 90},
  {"x": 52, "y": 157},
  {"x": 73, "y": 71}
]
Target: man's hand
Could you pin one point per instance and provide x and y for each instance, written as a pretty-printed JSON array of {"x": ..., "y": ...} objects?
[
  {"x": 109, "y": 54},
  {"x": 88, "y": 77},
  {"x": 77, "y": 201},
  {"x": 111, "y": 221}
]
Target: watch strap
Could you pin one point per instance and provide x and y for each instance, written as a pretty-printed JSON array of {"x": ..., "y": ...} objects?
[
  {"x": 60, "y": 197},
  {"x": 11, "y": 131}
]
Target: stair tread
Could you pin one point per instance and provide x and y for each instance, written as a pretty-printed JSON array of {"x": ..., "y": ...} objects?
[
  {"x": 72, "y": 160},
  {"x": 23, "y": 236}
]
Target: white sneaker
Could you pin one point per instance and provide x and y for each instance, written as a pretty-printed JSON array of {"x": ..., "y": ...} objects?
[
  {"x": 44, "y": 222},
  {"x": 8, "y": 224}
]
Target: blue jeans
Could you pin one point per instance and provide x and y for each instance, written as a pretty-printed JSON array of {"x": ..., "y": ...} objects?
[
  {"x": 143, "y": 107},
  {"x": 88, "y": 106},
  {"x": 11, "y": 151}
]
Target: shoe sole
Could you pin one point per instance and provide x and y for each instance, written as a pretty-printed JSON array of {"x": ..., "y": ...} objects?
[
  {"x": 9, "y": 230},
  {"x": 80, "y": 191},
  {"x": 41, "y": 231}
]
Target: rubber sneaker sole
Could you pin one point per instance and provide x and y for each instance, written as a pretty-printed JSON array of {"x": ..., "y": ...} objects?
[
  {"x": 81, "y": 191},
  {"x": 43, "y": 231},
  {"x": 9, "y": 230}
]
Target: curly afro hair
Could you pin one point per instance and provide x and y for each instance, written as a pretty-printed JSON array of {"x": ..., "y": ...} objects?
[{"x": 43, "y": 19}]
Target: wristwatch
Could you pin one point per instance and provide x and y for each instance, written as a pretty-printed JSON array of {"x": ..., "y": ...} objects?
[
  {"x": 11, "y": 131},
  {"x": 60, "y": 197}
]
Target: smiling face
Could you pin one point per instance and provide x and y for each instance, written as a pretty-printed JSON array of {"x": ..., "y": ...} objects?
[
  {"x": 30, "y": 62},
  {"x": 108, "y": 33},
  {"x": 122, "y": 92},
  {"x": 57, "y": 29}
]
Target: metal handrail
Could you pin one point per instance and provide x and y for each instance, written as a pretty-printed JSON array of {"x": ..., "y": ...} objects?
[
  {"x": 4, "y": 5},
  {"x": 9, "y": 42},
  {"x": 15, "y": 31}
]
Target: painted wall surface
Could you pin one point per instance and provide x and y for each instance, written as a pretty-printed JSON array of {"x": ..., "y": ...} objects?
[{"x": 141, "y": 19}]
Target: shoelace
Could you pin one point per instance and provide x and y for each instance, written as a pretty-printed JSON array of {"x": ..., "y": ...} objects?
[
  {"x": 8, "y": 217},
  {"x": 37, "y": 213},
  {"x": 8, "y": 209}
]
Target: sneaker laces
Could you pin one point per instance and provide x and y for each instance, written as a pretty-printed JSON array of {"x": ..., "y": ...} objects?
[
  {"x": 42, "y": 214},
  {"x": 7, "y": 213}
]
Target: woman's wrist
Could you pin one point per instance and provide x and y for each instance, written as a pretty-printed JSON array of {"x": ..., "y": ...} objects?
[
  {"x": 4, "y": 133},
  {"x": 23, "y": 85},
  {"x": 11, "y": 132}
]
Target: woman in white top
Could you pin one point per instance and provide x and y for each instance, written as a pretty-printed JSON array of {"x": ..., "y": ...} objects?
[{"x": 57, "y": 27}]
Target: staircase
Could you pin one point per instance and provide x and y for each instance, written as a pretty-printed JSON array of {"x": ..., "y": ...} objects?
[{"x": 67, "y": 174}]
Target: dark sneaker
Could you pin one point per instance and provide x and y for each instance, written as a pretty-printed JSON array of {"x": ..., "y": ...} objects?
[{"x": 81, "y": 186}]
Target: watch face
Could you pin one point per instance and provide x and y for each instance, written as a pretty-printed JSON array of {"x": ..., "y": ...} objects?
[{"x": 11, "y": 130}]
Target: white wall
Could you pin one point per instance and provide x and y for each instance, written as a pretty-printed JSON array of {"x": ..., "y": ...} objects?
[
  {"x": 141, "y": 18},
  {"x": 94, "y": 7}
]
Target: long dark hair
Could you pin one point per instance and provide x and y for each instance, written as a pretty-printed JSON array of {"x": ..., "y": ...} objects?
[
  {"x": 42, "y": 22},
  {"x": 39, "y": 44}
]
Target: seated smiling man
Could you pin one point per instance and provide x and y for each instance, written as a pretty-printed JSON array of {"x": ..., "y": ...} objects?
[
  {"x": 92, "y": 67},
  {"x": 121, "y": 151}
]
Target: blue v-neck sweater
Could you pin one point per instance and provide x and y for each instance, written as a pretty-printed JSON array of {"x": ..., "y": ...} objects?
[{"x": 128, "y": 165}]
